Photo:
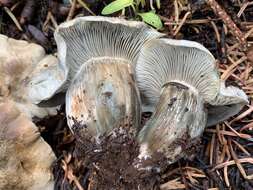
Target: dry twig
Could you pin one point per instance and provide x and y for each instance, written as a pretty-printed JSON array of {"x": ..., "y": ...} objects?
[{"x": 227, "y": 20}]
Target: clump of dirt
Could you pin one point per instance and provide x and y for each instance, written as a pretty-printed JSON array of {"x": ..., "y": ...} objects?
[{"x": 113, "y": 162}]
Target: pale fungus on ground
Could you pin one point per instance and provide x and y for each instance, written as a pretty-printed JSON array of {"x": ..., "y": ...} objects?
[
  {"x": 99, "y": 54},
  {"x": 179, "y": 81},
  {"x": 25, "y": 158},
  {"x": 28, "y": 76}
]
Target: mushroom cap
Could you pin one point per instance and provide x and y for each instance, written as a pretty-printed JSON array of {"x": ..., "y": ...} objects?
[
  {"x": 227, "y": 103},
  {"x": 89, "y": 37},
  {"x": 101, "y": 97},
  {"x": 25, "y": 158},
  {"x": 28, "y": 75},
  {"x": 191, "y": 64}
]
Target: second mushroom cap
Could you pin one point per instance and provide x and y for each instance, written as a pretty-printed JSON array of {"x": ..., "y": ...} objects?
[{"x": 189, "y": 63}]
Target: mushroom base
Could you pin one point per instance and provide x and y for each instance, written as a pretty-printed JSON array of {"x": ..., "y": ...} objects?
[
  {"x": 112, "y": 163},
  {"x": 176, "y": 125}
]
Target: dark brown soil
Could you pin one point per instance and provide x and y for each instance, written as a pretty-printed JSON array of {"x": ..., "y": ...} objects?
[{"x": 113, "y": 163}]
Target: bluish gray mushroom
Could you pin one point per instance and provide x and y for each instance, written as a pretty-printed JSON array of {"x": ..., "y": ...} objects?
[
  {"x": 179, "y": 82},
  {"x": 99, "y": 54}
]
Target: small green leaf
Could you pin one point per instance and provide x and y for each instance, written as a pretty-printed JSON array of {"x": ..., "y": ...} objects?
[
  {"x": 152, "y": 19},
  {"x": 116, "y": 6}
]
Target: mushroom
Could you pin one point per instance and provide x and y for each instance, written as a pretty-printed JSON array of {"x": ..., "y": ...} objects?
[
  {"x": 178, "y": 81},
  {"x": 99, "y": 54},
  {"x": 25, "y": 158},
  {"x": 28, "y": 75}
]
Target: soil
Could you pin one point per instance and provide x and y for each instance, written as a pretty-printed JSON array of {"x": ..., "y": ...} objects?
[{"x": 113, "y": 163}]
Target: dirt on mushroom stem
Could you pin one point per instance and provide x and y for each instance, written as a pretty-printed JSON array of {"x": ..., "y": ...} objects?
[{"x": 112, "y": 162}]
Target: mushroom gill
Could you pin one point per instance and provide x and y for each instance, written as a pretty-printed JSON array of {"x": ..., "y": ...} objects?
[
  {"x": 179, "y": 81},
  {"x": 25, "y": 158},
  {"x": 28, "y": 75},
  {"x": 99, "y": 54}
]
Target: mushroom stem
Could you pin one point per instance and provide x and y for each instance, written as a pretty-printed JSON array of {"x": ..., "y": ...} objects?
[
  {"x": 178, "y": 120},
  {"x": 103, "y": 96}
]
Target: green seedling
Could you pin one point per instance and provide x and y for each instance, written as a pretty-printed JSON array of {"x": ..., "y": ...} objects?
[
  {"x": 150, "y": 17},
  {"x": 117, "y": 6}
]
